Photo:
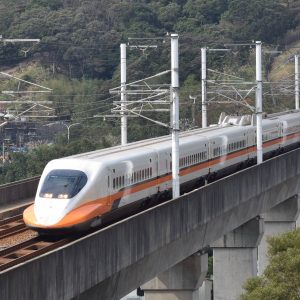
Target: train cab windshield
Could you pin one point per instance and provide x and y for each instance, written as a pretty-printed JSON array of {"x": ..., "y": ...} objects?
[{"x": 63, "y": 184}]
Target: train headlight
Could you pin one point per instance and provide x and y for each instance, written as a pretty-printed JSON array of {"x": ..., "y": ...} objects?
[
  {"x": 48, "y": 195},
  {"x": 63, "y": 196}
]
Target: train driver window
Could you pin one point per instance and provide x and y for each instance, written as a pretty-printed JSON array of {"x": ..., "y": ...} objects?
[{"x": 63, "y": 184}]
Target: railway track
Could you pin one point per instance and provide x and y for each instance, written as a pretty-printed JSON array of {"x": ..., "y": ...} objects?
[
  {"x": 24, "y": 251},
  {"x": 12, "y": 226}
]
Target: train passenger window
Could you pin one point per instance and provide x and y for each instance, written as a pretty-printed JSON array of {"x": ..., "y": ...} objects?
[
  {"x": 123, "y": 180},
  {"x": 134, "y": 177},
  {"x": 140, "y": 175},
  {"x": 117, "y": 182},
  {"x": 114, "y": 183},
  {"x": 108, "y": 181},
  {"x": 143, "y": 174},
  {"x": 151, "y": 171}
]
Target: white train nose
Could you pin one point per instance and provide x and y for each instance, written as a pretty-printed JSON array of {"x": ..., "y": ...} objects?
[{"x": 50, "y": 211}]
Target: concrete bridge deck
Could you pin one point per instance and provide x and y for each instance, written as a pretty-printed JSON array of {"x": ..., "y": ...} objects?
[{"x": 115, "y": 260}]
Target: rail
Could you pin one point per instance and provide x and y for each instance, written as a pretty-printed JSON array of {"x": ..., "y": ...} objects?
[
  {"x": 12, "y": 226},
  {"x": 27, "y": 250}
]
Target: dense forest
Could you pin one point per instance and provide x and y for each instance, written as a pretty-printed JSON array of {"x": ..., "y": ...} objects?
[
  {"x": 79, "y": 52},
  {"x": 81, "y": 38}
]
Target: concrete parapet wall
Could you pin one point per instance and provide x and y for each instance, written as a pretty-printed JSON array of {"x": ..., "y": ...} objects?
[
  {"x": 10, "y": 193},
  {"x": 115, "y": 260}
]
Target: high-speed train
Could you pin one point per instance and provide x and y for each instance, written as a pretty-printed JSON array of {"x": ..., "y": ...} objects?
[{"x": 87, "y": 190}]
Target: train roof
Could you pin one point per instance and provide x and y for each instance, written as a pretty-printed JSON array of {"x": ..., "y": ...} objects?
[{"x": 164, "y": 142}]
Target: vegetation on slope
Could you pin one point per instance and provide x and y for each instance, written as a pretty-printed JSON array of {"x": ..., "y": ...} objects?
[{"x": 78, "y": 56}]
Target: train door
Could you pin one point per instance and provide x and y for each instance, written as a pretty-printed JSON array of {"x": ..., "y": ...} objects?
[
  {"x": 110, "y": 184},
  {"x": 163, "y": 170},
  {"x": 210, "y": 151}
]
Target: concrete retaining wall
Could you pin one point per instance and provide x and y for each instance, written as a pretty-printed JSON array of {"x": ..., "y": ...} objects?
[{"x": 115, "y": 260}]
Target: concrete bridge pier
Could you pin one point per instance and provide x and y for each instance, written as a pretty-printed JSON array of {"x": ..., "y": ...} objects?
[
  {"x": 235, "y": 259},
  {"x": 181, "y": 282},
  {"x": 280, "y": 219}
]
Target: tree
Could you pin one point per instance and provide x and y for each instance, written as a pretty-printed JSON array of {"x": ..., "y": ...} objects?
[
  {"x": 281, "y": 279},
  {"x": 265, "y": 20}
]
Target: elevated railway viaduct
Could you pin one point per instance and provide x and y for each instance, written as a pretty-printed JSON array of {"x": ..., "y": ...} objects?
[{"x": 229, "y": 215}]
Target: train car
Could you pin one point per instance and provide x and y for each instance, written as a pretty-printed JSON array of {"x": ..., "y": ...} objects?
[{"x": 87, "y": 190}]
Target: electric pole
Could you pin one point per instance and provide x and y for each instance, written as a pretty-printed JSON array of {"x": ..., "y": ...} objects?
[
  {"x": 175, "y": 115},
  {"x": 203, "y": 85},
  {"x": 259, "y": 103},
  {"x": 123, "y": 96},
  {"x": 296, "y": 81}
]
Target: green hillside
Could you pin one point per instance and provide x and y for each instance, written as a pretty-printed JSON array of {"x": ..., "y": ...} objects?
[{"x": 78, "y": 58}]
